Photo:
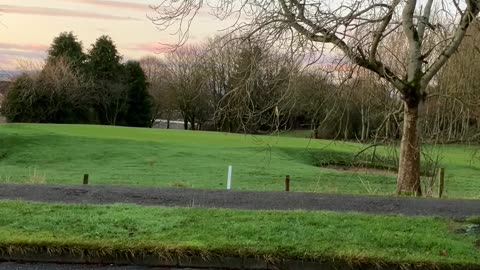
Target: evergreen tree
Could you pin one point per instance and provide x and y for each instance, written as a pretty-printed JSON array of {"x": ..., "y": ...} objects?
[
  {"x": 104, "y": 60},
  {"x": 139, "y": 100},
  {"x": 105, "y": 68},
  {"x": 67, "y": 46}
]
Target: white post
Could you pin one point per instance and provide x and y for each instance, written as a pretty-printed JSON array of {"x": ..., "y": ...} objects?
[{"x": 229, "y": 178}]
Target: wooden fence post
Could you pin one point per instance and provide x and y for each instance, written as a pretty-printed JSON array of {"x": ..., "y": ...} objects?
[
  {"x": 441, "y": 182},
  {"x": 287, "y": 183},
  {"x": 85, "y": 179}
]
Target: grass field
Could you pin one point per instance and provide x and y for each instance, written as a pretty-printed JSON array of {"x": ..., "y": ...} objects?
[
  {"x": 272, "y": 234},
  {"x": 61, "y": 154}
]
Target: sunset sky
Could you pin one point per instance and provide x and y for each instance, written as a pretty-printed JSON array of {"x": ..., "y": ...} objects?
[{"x": 27, "y": 27}]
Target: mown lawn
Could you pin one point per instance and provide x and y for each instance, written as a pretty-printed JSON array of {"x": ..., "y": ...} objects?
[
  {"x": 61, "y": 154},
  {"x": 272, "y": 234}
]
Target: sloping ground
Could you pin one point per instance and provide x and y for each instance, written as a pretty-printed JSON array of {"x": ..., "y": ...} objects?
[
  {"x": 176, "y": 197},
  {"x": 61, "y": 154}
]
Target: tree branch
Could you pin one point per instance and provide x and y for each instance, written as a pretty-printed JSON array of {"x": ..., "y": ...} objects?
[
  {"x": 467, "y": 18},
  {"x": 326, "y": 37},
  {"x": 381, "y": 30},
  {"x": 425, "y": 19},
  {"x": 414, "y": 62}
]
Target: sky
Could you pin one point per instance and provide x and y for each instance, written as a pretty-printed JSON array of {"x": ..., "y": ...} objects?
[{"x": 27, "y": 27}]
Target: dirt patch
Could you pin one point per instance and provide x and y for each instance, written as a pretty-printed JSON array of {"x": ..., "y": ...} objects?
[{"x": 362, "y": 170}]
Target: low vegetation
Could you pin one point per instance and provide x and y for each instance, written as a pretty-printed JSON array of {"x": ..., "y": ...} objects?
[
  {"x": 61, "y": 154},
  {"x": 269, "y": 234}
]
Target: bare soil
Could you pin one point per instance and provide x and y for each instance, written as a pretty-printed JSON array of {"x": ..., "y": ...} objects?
[{"x": 362, "y": 170}]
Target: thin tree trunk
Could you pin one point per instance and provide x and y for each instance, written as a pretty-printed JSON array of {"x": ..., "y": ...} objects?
[
  {"x": 362, "y": 112},
  {"x": 367, "y": 133},
  {"x": 192, "y": 122},
  {"x": 185, "y": 123},
  {"x": 408, "y": 181},
  {"x": 345, "y": 131}
]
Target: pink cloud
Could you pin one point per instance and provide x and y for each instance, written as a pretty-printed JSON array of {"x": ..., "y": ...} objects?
[
  {"x": 20, "y": 61},
  {"x": 24, "y": 47},
  {"x": 152, "y": 47},
  {"x": 57, "y": 12},
  {"x": 110, "y": 3}
]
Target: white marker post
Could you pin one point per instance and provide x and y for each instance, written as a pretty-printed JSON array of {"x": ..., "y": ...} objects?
[{"x": 229, "y": 178}]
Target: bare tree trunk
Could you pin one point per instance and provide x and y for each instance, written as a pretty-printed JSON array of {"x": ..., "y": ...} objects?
[
  {"x": 362, "y": 112},
  {"x": 408, "y": 182},
  {"x": 367, "y": 133},
  {"x": 169, "y": 116},
  {"x": 192, "y": 122}
]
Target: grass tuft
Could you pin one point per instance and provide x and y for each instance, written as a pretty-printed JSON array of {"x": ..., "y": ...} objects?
[{"x": 474, "y": 220}]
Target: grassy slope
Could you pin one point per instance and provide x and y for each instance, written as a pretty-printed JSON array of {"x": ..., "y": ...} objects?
[
  {"x": 61, "y": 154},
  {"x": 304, "y": 235}
]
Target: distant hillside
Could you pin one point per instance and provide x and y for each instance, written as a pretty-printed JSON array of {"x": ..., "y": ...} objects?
[{"x": 7, "y": 75}]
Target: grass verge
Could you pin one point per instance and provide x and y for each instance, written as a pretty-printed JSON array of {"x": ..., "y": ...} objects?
[{"x": 214, "y": 232}]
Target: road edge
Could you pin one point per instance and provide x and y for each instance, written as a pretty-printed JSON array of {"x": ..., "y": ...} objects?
[{"x": 207, "y": 261}]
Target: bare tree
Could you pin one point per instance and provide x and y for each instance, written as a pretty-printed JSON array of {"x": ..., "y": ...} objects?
[
  {"x": 112, "y": 100},
  {"x": 359, "y": 29},
  {"x": 219, "y": 64},
  {"x": 316, "y": 103},
  {"x": 259, "y": 99},
  {"x": 452, "y": 111},
  {"x": 186, "y": 81},
  {"x": 156, "y": 72},
  {"x": 57, "y": 94}
]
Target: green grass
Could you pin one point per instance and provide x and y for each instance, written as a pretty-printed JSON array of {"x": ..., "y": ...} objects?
[
  {"x": 269, "y": 234},
  {"x": 301, "y": 133},
  {"x": 61, "y": 154}
]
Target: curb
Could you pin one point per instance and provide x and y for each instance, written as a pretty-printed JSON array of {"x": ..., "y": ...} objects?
[{"x": 198, "y": 262}]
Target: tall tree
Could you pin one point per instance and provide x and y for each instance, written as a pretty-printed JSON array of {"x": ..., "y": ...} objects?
[
  {"x": 186, "y": 79},
  {"x": 67, "y": 47},
  {"x": 359, "y": 29},
  {"x": 139, "y": 100},
  {"x": 219, "y": 66},
  {"x": 104, "y": 60},
  {"x": 163, "y": 101},
  {"x": 105, "y": 68}
]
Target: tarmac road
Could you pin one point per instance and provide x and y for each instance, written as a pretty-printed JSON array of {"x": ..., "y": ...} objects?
[{"x": 176, "y": 197}]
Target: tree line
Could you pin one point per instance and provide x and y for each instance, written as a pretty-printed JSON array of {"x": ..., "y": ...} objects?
[
  {"x": 78, "y": 87},
  {"x": 234, "y": 84},
  {"x": 237, "y": 85}
]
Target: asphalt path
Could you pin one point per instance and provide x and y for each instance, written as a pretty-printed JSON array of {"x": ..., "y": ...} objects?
[{"x": 177, "y": 197}]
